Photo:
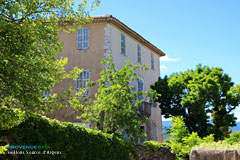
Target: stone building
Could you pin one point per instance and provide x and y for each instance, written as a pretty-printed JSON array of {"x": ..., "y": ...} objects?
[{"x": 107, "y": 35}]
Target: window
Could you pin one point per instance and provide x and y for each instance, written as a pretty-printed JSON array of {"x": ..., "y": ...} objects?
[
  {"x": 81, "y": 81},
  {"x": 140, "y": 85},
  {"x": 140, "y": 97},
  {"x": 82, "y": 38},
  {"x": 46, "y": 94},
  {"x": 125, "y": 135},
  {"x": 139, "y": 54},
  {"x": 153, "y": 103},
  {"x": 154, "y": 131},
  {"x": 142, "y": 139},
  {"x": 152, "y": 61},
  {"x": 123, "y": 50}
]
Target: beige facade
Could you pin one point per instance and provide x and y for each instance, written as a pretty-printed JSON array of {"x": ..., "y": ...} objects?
[
  {"x": 88, "y": 59},
  {"x": 105, "y": 38}
]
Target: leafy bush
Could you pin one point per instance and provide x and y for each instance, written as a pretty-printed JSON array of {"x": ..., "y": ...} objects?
[
  {"x": 3, "y": 149},
  {"x": 233, "y": 143},
  {"x": 73, "y": 141},
  {"x": 153, "y": 145},
  {"x": 10, "y": 117},
  {"x": 181, "y": 141},
  {"x": 234, "y": 138}
]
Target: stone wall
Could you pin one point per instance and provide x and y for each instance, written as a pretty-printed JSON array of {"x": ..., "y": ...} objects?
[
  {"x": 214, "y": 154},
  {"x": 163, "y": 153}
]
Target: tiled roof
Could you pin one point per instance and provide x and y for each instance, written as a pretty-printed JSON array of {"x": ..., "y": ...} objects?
[{"x": 122, "y": 26}]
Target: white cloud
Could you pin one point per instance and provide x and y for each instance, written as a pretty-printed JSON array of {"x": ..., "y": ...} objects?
[
  {"x": 237, "y": 113},
  {"x": 163, "y": 67},
  {"x": 167, "y": 59}
]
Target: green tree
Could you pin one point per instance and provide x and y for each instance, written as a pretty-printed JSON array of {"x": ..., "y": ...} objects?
[
  {"x": 28, "y": 44},
  {"x": 196, "y": 94},
  {"x": 117, "y": 103}
]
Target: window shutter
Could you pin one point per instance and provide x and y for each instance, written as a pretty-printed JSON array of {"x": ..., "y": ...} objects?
[
  {"x": 139, "y": 54},
  {"x": 87, "y": 79},
  {"x": 82, "y": 80},
  {"x": 77, "y": 84},
  {"x": 152, "y": 61},
  {"x": 151, "y": 98},
  {"x": 46, "y": 94},
  {"x": 85, "y": 38},
  {"x": 82, "y": 38},
  {"x": 140, "y": 85},
  {"x": 140, "y": 88},
  {"x": 123, "y": 49}
]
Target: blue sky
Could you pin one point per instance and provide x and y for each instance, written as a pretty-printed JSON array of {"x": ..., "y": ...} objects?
[{"x": 190, "y": 32}]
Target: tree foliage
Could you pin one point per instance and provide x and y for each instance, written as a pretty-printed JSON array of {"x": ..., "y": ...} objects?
[
  {"x": 181, "y": 141},
  {"x": 28, "y": 44},
  {"x": 196, "y": 94},
  {"x": 234, "y": 138},
  {"x": 117, "y": 106}
]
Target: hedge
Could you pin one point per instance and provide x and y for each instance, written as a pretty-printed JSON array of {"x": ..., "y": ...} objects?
[
  {"x": 154, "y": 145},
  {"x": 73, "y": 141}
]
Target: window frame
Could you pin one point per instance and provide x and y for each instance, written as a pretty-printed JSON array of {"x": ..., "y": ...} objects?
[
  {"x": 152, "y": 61},
  {"x": 139, "y": 53},
  {"x": 142, "y": 84},
  {"x": 123, "y": 44},
  {"x": 140, "y": 97},
  {"x": 46, "y": 94},
  {"x": 142, "y": 139},
  {"x": 81, "y": 82},
  {"x": 83, "y": 38}
]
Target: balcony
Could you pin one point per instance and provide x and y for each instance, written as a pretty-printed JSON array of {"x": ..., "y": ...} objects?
[{"x": 145, "y": 110}]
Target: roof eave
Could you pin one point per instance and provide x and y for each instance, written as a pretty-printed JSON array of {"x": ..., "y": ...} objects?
[{"x": 122, "y": 26}]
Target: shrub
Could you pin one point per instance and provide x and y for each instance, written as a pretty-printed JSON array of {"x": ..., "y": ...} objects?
[
  {"x": 234, "y": 138},
  {"x": 181, "y": 141},
  {"x": 153, "y": 145},
  {"x": 73, "y": 141},
  {"x": 3, "y": 149}
]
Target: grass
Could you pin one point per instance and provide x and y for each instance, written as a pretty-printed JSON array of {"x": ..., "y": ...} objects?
[{"x": 218, "y": 145}]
